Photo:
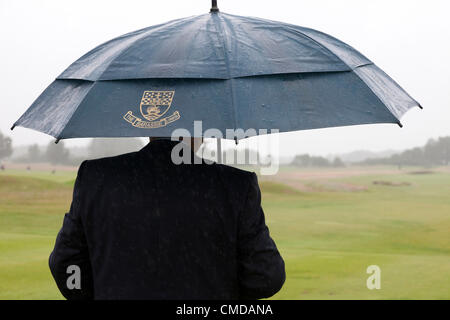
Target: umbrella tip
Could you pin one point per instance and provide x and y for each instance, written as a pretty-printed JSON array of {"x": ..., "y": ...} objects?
[
  {"x": 420, "y": 106},
  {"x": 57, "y": 140},
  {"x": 400, "y": 124},
  {"x": 12, "y": 128},
  {"x": 214, "y": 7}
]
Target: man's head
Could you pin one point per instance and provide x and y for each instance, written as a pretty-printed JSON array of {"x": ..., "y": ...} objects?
[{"x": 194, "y": 143}]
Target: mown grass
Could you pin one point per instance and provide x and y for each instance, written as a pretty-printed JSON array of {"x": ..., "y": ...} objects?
[{"x": 327, "y": 238}]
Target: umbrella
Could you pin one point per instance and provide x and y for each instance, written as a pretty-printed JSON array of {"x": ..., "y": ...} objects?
[{"x": 228, "y": 71}]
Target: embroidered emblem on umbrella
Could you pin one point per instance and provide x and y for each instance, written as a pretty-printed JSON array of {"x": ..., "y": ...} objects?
[{"x": 154, "y": 104}]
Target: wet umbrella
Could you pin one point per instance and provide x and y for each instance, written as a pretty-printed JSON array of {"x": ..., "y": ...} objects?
[{"x": 227, "y": 71}]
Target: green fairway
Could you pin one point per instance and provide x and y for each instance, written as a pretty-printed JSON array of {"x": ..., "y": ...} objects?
[{"x": 329, "y": 228}]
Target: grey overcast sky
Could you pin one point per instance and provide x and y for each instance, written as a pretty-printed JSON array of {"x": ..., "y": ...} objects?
[{"x": 409, "y": 39}]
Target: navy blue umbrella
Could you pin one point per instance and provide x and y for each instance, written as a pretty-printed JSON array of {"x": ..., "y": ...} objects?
[{"x": 228, "y": 71}]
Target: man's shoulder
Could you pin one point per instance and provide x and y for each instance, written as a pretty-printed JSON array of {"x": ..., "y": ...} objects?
[
  {"x": 113, "y": 159},
  {"x": 234, "y": 173},
  {"x": 116, "y": 164},
  {"x": 108, "y": 163}
]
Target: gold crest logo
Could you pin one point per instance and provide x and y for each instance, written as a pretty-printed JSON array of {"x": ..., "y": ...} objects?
[{"x": 154, "y": 105}]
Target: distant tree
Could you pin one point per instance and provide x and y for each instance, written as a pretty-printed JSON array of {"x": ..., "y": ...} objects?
[
  {"x": 434, "y": 153},
  {"x": 445, "y": 150},
  {"x": 438, "y": 153},
  {"x": 431, "y": 152},
  {"x": 305, "y": 160},
  {"x": 34, "y": 153},
  {"x": 337, "y": 162},
  {"x": 57, "y": 153},
  {"x": 5, "y": 146},
  {"x": 319, "y": 162}
]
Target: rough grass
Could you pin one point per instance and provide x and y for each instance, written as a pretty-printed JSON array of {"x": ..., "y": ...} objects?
[{"x": 328, "y": 237}]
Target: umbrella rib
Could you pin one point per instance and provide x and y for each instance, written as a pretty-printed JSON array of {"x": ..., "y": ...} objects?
[
  {"x": 142, "y": 36},
  {"x": 292, "y": 28},
  {"x": 60, "y": 135},
  {"x": 322, "y": 46},
  {"x": 380, "y": 100},
  {"x": 219, "y": 31},
  {"x": 395, "y": 113}
]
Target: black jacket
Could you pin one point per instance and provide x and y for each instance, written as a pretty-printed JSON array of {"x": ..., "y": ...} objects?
[{"x": 141, "y": 227}]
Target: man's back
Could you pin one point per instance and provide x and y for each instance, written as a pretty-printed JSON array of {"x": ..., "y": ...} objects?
[{"x": 141, "y": 227}]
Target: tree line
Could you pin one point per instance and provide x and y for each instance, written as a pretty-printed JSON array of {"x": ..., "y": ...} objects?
[
  {"x": 436, "y": 152},
  {"x": 305, "y": 160},
  {"x": 59, "y": 154},
  {"x": 6, "y": 149}
]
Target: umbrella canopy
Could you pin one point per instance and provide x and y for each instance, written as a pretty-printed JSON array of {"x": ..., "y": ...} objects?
[{"x": 228, "y": 71}]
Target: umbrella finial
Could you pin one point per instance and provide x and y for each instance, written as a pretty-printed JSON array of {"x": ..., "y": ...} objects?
[{"x": 214, "y": 7}]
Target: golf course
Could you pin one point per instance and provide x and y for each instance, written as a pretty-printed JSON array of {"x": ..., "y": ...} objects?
[{"x": 329, "y": 224}]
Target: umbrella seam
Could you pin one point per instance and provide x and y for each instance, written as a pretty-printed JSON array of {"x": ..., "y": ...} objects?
[
  {"x": 130, "y": 34},
  {"x": 60, "y": 135},
  {"x": 176, "y": 22},
  {"x": 379, "y": 99},
  {"x": 227, "y": 62},
  {"x": 292, "y": 27},
  {"x": 144, "y": 35},
  {"x": 363, "y": 65},
  {"x": 124, "y": 36},
  {"x": 53, "y": 133},
  {"x": 322, "y": 46},
  {"x": 215, "y": 78},
  {"x": 395, "y": 83}
]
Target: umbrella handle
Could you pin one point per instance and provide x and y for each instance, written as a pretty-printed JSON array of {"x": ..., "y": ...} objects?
[{"x": 214, "y": 7}]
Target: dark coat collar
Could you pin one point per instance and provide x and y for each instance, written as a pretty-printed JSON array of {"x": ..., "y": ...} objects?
[
  {"x": 159, "y": 146},
  {"x": 162, "y": 149}
]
